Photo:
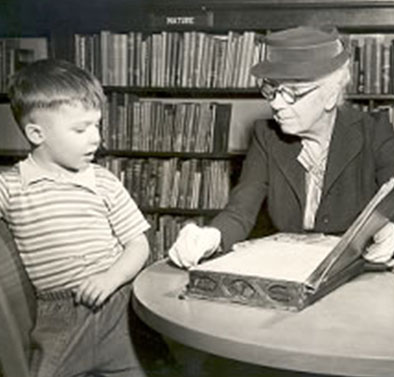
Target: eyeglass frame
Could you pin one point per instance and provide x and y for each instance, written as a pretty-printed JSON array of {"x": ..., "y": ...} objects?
[{"x": 288, "y": 94}]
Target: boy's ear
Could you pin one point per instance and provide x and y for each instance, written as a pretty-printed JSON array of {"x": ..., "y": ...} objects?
[{"x": 34, "y": 133}]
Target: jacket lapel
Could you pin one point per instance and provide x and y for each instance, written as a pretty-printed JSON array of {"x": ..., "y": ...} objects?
[
  {"x": 345, "y": 144},
  {"x": 285, "y": 155}
]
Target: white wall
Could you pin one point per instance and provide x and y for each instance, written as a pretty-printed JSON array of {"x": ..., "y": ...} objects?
[{"x": 11, "y": 136}]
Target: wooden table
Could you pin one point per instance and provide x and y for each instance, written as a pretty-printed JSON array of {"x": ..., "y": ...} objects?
[{"x": 349, "y": 332}]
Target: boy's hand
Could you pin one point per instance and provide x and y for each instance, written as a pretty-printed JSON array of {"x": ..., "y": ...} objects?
[{"x": 94, "y": 290}]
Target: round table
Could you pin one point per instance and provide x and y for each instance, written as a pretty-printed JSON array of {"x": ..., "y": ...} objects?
[{"x": 348, "y": 332}]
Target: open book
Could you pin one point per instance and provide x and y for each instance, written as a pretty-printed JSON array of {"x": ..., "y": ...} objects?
[{"x": 288, "y": 270}]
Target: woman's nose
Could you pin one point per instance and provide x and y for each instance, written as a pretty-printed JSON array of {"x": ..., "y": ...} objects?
[{"x": 277, "y": 102}]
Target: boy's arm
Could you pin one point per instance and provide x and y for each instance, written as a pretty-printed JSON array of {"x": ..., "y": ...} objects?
[
  {"x": 131, "y": 261},
  {"x": 94, "y": 290}
]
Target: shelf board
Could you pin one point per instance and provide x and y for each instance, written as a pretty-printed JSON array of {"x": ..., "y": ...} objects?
[
  {"x": 232, "y": 93},
  {"x": 180, "y": 211},
  {"x": 186, "y": 92},
  {"x": 370, "y": 97},
  {"x": 13, "y": 153},
  {"x": 180, "y": 4},
  {"x": 184, "y": 155},
  {"x": 4, "y": 98}
]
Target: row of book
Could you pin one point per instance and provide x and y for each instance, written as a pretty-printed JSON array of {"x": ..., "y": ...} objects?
[
  {"x": 203, "y": 60},
  {"x": 192, "y": 59},
  {"x": 154, "y": 125},
  {"x": 164, "y": 231},
  {"x": 372, "y": 63},
  {"x": 173, "y": 182},
  {"x": 16, "y": 53},
  {"x": 188, "y": 59}
]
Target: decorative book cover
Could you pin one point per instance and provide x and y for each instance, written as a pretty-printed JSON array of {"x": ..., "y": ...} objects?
[{"x": 291, "y": 271}]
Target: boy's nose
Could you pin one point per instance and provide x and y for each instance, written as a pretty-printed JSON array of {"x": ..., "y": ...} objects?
[{"x": 95, "y": 137}]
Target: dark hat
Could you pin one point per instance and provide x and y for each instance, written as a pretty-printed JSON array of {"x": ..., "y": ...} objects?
[{"x": 302, "y": 53}]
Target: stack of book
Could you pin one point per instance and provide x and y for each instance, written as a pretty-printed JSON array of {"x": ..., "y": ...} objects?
[
  {"x": 174, "y": 182},
  {"x": 372, "y": 63},
  {"x": 157, "y": 126},
  {"x": 187, "y": 59}
]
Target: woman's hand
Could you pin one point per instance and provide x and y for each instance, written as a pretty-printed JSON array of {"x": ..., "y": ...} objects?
[
  {"x": 193, "y": 243},
  {"x": 382, "y": 248}
]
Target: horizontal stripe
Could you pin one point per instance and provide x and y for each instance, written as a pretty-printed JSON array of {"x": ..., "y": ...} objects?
[{"x": 65, "y": 232}]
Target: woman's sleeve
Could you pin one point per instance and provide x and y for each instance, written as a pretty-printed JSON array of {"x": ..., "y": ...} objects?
[
  {"x": 238, "y": 217},
  {"x": 383, "y": 144}
]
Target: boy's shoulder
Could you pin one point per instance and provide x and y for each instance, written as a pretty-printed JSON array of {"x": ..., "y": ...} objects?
[
  {"x": 12, "y": 172},
  {"x": 105, "y": 180},
  {"x": 100, "y": 172}
]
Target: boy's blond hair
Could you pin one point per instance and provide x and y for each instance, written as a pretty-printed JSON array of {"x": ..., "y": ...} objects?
[{"x": 48, "y": 84}]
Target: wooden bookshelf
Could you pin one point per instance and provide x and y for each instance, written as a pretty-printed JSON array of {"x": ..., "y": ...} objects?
[
  {"x": 370, "y": 97},
  {"x": 180, "y": 211},
  {"x": 10, "y": 156},
  {"x": 182, "y": 155},
  {"x": 18, "y": 153},
  {"x": 211, "y": 17},
  {"x": 214, "y": 19},
  {"x": 16, "y": 51},
  {"x": 196, "y": 93}
]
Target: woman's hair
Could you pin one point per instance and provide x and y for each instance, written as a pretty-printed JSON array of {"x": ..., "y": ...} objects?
[
  {"x": 340, "y": 77},
  {"x": 49, "y": 84}
]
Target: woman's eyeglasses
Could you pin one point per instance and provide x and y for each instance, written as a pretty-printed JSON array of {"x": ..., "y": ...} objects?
[{"x": 270, "y": 88}]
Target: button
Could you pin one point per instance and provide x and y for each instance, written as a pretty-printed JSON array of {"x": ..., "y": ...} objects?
[{"x": 325, "y": 219}]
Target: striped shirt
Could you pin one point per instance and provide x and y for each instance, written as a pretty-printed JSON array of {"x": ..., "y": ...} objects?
[{"x": 67, "y": 227}]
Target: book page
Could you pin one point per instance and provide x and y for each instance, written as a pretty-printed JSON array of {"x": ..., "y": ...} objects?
[
  {"x": 283, "y": 256},
  {"x": 374, "y": 216}
]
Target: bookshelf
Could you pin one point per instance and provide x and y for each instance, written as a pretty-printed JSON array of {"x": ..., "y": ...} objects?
[
  {"x": 196, "y": 93},
  {"x": 15, "y": 52},
  {"x": 146, "y": 54},
  {"x": 199, "y": 53},
  {"x": 169, "y": 104},
  {"x": 217, "y": 17}
]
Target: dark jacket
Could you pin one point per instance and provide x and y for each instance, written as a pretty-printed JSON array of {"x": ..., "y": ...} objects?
[{"x": 361, "y": 158}]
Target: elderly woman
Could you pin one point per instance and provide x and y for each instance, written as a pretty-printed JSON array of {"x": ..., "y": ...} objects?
[{"x": 317, "y": 164}]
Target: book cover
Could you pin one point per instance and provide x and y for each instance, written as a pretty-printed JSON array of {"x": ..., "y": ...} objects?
[{"x": 222, "y": 127}]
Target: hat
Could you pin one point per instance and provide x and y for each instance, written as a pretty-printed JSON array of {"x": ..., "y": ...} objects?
[{"x": 302, "y": 53}]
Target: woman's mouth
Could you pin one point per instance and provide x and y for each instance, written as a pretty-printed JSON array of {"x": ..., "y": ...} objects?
[
  {"x": 281, "y": 118},
  {"x": 89, "y": 155}
]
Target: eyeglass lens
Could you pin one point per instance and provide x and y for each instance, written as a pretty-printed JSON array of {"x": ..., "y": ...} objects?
[{"x": 270, "y": 89}]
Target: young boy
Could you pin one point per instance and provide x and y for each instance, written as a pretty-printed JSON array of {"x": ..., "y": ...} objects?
[{"x": 80, "y": 235}]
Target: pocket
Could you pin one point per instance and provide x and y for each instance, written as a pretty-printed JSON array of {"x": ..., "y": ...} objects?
[
  {"x": 51, "y": 334},
  {"x": 125, "y": 291}
]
